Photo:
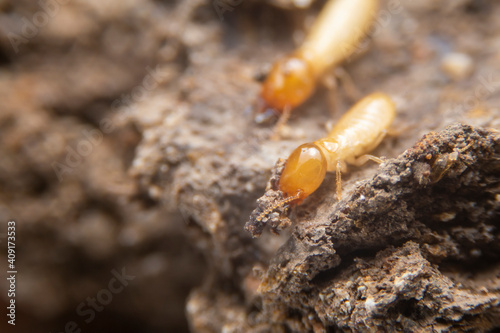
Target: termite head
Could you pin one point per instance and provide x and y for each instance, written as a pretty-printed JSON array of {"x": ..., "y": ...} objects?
[
  {"x": 304, "y": 172},
  {"x": 289, "y": 83}
]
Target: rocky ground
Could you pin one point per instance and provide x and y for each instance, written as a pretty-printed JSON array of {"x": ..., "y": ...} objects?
[{"x": 127, "y": 149}]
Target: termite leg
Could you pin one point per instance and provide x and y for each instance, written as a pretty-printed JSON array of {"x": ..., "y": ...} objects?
[
  {"x": 400, "y": 130},
  {"x": 341, "y": 166},
  {"x": 330, "y": 82},
  {"x": 339, "y": 181},
  {"x": 361, "y": 160},
  {"x": 356, "y": 161},
  {"x": 281, "y": 122},
  {"x": 348, "y": 83}
]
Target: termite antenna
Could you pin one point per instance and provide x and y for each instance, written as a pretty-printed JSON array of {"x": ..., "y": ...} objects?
[
  {"x": 264, "y": 215},
  {"x": 272, "y": 211},
  {"x": 289, "y": 199}
]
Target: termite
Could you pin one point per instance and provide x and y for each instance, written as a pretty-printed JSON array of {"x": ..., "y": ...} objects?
[
  {"x": 357, "y": 133},
  {"x": 334, "y": 37}
]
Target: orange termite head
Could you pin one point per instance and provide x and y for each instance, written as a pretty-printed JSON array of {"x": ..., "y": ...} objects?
[
  {"x": 304, "y": 172},
  {"x": 289, "y": 83}
]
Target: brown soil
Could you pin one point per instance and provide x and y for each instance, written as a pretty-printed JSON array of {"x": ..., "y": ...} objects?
[{"x": 126, "y": 143}]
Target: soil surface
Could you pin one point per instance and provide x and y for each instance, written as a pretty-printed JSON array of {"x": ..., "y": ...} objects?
[{"x": 130, "y": 162}]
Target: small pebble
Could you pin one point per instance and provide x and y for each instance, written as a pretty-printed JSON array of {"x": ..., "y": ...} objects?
[{"x": 457, "y": 65}]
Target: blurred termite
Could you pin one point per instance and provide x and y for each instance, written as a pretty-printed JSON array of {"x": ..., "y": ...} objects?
[
  {"x": 358, "y": 132},
  {"x": 334, "y": 37}
]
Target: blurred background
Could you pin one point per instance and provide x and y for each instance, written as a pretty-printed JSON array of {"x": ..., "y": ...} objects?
[{"x": 121, "y": 121}]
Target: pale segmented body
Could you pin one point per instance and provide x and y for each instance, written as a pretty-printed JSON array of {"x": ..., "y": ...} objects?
[{"x": 359, "y": 131}]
